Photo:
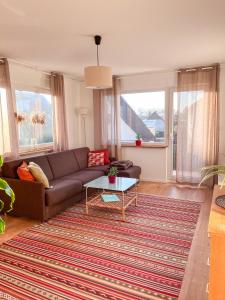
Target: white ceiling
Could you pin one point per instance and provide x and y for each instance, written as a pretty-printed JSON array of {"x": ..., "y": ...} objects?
[{"x": 138, "y": 35}]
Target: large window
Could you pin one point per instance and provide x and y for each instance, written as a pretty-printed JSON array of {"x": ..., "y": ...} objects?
[
  {"x": 4, "y": 123},
  {"x": 189, "y": 101},
  {"x": 144, "y": 113},
  {"x": 34, "y": 120}
]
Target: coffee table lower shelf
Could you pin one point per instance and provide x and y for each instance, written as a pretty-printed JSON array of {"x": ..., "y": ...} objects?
[{"x": 126, "y": 199}]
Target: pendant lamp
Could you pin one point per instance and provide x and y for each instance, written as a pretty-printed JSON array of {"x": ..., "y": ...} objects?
[{"x": 98, "y": 77}]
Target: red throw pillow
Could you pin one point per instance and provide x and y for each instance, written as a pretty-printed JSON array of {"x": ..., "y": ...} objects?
[
  {"x": 95, "y": 159},
  {"x": 106, "y": 155},
  {"x": 24, "y": 173}
]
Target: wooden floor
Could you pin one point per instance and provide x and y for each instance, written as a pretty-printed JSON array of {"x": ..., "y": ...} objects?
[{"x": 196, "y": 274}]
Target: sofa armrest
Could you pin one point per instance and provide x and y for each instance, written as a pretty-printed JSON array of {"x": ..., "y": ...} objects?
[
  {"x": 30, "y": 199},
  {"x": 112, "y": 159}
]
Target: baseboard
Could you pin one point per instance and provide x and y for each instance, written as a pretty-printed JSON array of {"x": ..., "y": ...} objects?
[{"x": 153, "y": 180}]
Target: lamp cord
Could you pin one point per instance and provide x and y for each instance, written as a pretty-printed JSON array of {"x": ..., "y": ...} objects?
[{"x": 97, "y": 57}]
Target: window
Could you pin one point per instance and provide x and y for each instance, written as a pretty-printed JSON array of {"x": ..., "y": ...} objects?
[
  {"x": 174, "y": 132},
  {"x": 144, "y": 113},
  {"x": 189, "y": 101},
  {"x": 4, "y": 123},
  {"x": 34, "y": 120}
]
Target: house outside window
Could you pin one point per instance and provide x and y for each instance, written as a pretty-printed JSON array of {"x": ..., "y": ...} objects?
[
  {"x": 144, "y": 113},
  {"x": 34, "y": 116}
]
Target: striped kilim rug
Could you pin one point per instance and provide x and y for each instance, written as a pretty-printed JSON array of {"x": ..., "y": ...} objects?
[{"x": 75, "y": 256}]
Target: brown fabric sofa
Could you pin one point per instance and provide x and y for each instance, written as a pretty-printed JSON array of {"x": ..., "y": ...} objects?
[{"x": 66, "y": 171}]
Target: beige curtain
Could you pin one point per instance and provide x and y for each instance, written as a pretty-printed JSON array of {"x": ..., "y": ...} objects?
[
  {"x": 107, "y": 119},
  {"x": 58, "y": 95},
  {"x": 8, "y": 129},
  {"x": 198, "y": 122}
]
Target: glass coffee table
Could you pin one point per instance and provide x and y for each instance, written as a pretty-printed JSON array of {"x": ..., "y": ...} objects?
[{"x": 126, "y": 189}]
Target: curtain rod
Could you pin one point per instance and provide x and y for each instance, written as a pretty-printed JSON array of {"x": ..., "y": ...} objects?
[
  {"x": 40, "y": 70},
  {"x": 29, "y": 66},
  {"x": 222, "y": 66},
  {"x": 197, "y": 68}
]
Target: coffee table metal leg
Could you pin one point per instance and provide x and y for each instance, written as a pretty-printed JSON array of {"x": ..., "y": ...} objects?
[
  {"x": 86, "y": 201},
  {"x": 123, "y": 215},
  {"x": 136, "y": 196},
  {"x": 123, "y": 209}
]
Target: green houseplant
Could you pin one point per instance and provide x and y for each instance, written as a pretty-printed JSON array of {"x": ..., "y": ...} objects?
[
  {"x": 138, "y": 139},
  {"x": 112, "y": 174},
  {"x": 9, "y": 192},
  {"x": 210, "y": 171}
]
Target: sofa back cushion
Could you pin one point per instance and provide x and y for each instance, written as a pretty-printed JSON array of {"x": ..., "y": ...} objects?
[
  {"x": 63, "y": 163},
  {"x": 9, "y": 168},
  {"x": 43, "y": 162},
  {"x": 81, "y": 155},
  {"x": 24, "y": 173}
]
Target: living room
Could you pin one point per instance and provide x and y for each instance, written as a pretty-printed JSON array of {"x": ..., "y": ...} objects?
[{"x": 152, "y": 121}]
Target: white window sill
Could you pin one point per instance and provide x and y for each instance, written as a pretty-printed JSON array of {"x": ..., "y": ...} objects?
[
  {"x": 145, "y": 145},
  {"x": 35, "y": 150}
]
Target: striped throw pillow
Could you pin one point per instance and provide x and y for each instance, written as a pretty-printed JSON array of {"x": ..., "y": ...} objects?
[{"x": 95, "y": 159}]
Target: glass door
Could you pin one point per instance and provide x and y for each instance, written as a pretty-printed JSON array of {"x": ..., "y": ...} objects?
[
  {"x": 172, "y": 149},
  {"x": 174, "y": 133}
]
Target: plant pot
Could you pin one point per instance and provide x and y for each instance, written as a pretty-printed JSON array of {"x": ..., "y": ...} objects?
[
  {"x": 112, "y": 179},
  {"x": 138, "y": 143}
]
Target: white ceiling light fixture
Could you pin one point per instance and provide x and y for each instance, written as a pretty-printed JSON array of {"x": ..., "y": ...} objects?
[{"x": 98, "y": 77}]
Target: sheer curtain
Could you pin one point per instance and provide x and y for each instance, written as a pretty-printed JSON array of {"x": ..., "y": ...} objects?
[
  {"x": 58, "y": 95},
  {"x": 198, "y": 121},
  {"x": 107, "y": 119},
  {"x": 8, "y": 128}
]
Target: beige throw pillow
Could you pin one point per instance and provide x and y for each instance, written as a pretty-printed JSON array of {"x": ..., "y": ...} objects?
[{"x": 38, "y": 174}]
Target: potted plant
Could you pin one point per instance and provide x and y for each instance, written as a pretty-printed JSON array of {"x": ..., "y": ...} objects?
[
  {"x": 112, "y": 174},
  {"x": 210, "y": 171},
  {"x": 138, "y": 140},
  {"x": 7, "y": 189}
]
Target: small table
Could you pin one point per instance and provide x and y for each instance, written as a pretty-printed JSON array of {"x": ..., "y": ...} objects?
[{"x": 124, "y": 188}]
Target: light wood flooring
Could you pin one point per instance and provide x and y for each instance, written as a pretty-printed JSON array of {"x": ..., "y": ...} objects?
[{"x": 196, "y": 274}]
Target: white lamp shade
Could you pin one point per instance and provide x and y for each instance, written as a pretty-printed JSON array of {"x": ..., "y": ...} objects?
[{"x": 98, "y": 77}]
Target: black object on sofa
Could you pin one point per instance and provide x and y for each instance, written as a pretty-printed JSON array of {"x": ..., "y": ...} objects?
[{"x": 66, "y": 171}]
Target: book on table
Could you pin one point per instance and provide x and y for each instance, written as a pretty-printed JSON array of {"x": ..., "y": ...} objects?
[{"x": 110, "y": 198}]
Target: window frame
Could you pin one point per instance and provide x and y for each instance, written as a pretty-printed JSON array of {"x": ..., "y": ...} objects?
[
  {"x": 42, "y": 148},
  {"x": 165, "y": 144}
]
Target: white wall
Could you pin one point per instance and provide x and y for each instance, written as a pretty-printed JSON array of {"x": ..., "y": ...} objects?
[
  {"x": 151, "y": 160},
  {"x": 86, "y": 100},
  {"x": 72, "y": 99},
  {"x": 146, "y": 82},
  {"x": 28, "y": 78}
]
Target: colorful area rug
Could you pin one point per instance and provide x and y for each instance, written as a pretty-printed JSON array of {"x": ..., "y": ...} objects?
[{"x": 75, "y": 256}]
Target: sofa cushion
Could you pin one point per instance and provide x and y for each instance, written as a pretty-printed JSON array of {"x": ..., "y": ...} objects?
[
  {"x": 42, "y": 161},
  {"x": 38, "y": 174},
  {"x": 63, "y": 163},
  {"x": 23, "y": 172},
  {"x": 95, "y": 159},
  {"x": 106, "y": 155},
  {"x": 98, "y": 168},
  {"x": 81, "y": 155},
  {"x": 62, "y": 189},
  {"x": 85, "y": 176},
  {"x": 132, "y": 172}
]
